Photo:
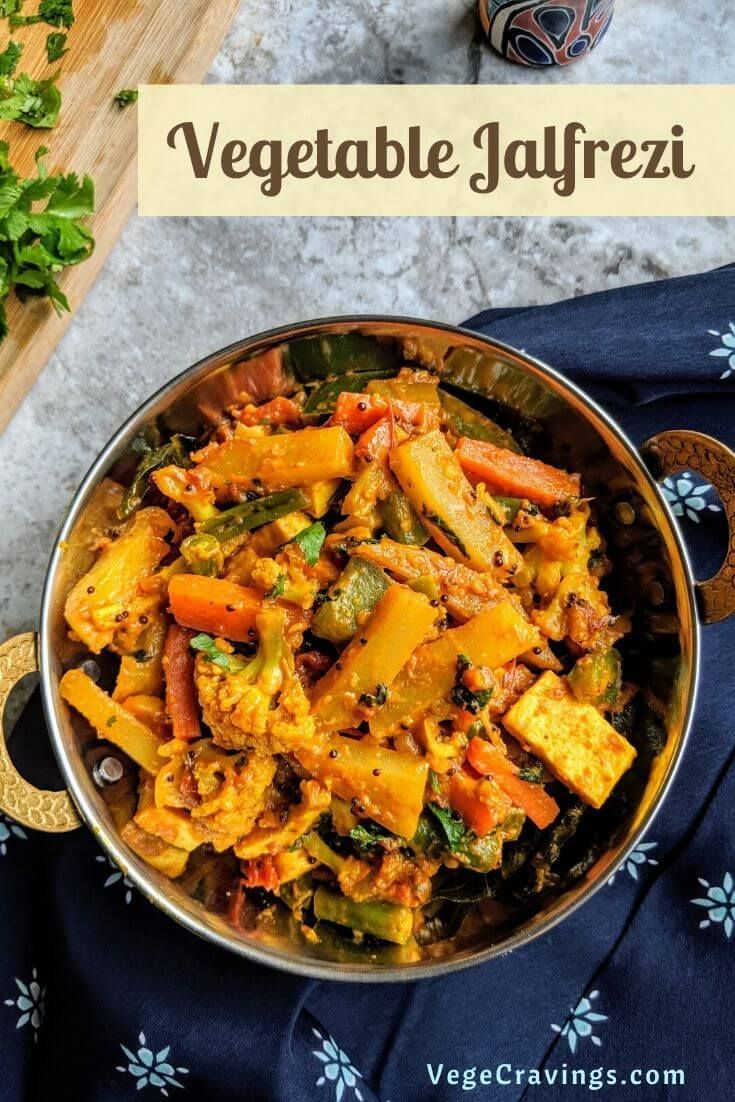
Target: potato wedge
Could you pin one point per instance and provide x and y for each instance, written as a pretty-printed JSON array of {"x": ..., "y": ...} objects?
[
  {"x": 381, "y": 647},
  {"x": 436, "y": 486},
  {"x": 111, "y": 721},
  {"x": 491, "y": 639},
  {"x": 387, "y": 785},
  {"x": 283, "y": 460},
  {"x": 109, "y": 594}
]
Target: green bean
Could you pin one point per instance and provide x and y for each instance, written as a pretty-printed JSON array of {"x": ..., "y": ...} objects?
[{"x": 253, "y": 514}]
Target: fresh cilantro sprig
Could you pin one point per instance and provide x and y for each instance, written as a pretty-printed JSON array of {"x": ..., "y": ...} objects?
[
  {"x": 34, "y": 102},
  {"x": 41, "y": 230},
  {"x": 9, "y": 58},
  {"x": 56, "y": 46},
  {"x": 310, "y": 541},
  {"x": 126, "y": 96},
  {"x": 57, "y": 13}
]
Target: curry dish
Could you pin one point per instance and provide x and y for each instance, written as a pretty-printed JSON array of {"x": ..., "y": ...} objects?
[{"x": 355, "y": 647}]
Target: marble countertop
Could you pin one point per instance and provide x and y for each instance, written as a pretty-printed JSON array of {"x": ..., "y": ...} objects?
[{"x": 174, "y": 290}]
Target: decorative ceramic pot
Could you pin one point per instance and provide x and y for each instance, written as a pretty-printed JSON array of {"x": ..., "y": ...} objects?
[{"x": 545, "y": 32}]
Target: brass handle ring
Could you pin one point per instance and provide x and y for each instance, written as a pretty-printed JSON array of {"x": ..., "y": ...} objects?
[
  {"x": 679, "y": 450},
  {"x": 33, "y": 807}
]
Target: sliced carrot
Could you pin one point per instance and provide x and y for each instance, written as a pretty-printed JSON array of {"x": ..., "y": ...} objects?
[
  {"x": 477, "y": 802},
  {"x": 410, "y": 413},
  {"x": 375, "y": 442},
  {"x": 487, "y": 760},
  {"x": 357, "y": 412},
  {"x": 506, "y": 472},
  {"x": 181, "y": 696},
  {"x": 214, "y": 605}
]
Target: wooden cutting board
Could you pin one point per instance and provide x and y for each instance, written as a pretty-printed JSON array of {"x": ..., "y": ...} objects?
[{"x": 114, "y": 44}]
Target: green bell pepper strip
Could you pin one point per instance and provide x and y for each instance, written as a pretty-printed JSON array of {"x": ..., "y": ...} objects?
[
  {"x": 357, "y": 590},
  {"x": 401, "y": 521},
  {"x": 466, "y": 421}
]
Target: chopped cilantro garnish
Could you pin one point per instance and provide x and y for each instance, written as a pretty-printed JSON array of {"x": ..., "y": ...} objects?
[
  {"x": 56, "y": 46},
  {"x": 472, "y": 701},
  {"x": 376, "y": 699},
  {"x": 36, "y": 244},
  {"x": 310, "y": 541},
  {"x": 454, "y": 829},
  {"x": 279, "y": 588},
  {"x": 9, "y": 58},
  {"x": 533, "y": 773},
  {"x": 368, "y": 835},
  {"x": 126, "y": 96},
  {"x": 206, "y": 645},
  {"x": 112, "y": 720}
]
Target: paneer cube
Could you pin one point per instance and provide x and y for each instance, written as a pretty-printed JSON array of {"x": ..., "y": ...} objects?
[{"x": 575, "y": 743}]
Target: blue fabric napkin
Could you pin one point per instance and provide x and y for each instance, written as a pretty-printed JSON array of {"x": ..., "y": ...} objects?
[{"x": 102, "y": 997}]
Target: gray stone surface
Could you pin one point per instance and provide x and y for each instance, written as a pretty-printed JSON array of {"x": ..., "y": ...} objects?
[{"x": 174, "y": 290}]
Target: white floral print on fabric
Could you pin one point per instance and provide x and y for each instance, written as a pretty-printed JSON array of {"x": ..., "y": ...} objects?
[
  {"x": 116, "y": 877},
  {"x": 581, "y": 1022},
  {"x": 726, "y": 348},
  {"x": 636, "y": 859},
  {"x": 686, "y": 498},
  {"x": 337, "y": 1069},
  {"x": 152, "y": 1069},
  {"x": 31, "y": 1002},
  {"x": 720, "y": 904},
  {"x": 8, "y": 830}
]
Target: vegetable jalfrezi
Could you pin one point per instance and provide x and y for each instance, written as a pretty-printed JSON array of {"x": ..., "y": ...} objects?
[{"x": 364, "y": 662}]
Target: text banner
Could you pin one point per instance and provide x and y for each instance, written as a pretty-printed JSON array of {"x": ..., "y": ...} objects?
[{"x": 437, "y": 150}]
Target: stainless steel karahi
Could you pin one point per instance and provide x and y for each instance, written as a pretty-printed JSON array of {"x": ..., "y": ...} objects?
[{"x": 574, "y": 431}]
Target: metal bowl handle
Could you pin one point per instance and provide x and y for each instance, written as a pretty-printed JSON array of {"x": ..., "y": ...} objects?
[
  {"x": 36, "y": 808},
  {"x": 679, "y": 450}
]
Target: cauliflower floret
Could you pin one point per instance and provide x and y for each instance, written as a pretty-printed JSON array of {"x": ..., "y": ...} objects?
[
  {"x": 287, "y": 577},
  {"x": 223, "y": 792},
  {"x": 315, "y": 801},
  {"x": 258, "y": 704}
]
